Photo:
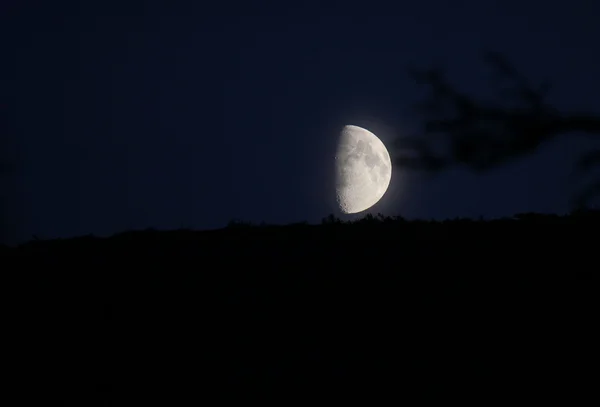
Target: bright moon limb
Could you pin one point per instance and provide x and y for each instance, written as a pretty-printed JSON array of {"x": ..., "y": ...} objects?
[{"x": 363, "y": 169}]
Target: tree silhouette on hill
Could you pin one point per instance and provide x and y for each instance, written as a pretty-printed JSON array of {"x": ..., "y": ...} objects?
[{"x": 483, "y": 135}]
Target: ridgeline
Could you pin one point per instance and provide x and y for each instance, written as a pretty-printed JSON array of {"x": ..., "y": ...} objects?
[
  {"x": 371, "y": 237},
  {"x": 373, "y": 310}
]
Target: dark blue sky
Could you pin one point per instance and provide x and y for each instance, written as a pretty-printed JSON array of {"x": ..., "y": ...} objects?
[{"x": 131, "y": 114}]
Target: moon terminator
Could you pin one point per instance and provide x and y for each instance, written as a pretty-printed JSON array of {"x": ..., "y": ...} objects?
[{"x": 363, "y": 169}]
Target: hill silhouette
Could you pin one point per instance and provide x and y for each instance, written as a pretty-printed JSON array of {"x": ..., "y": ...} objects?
[{"x": 377, "y": 308}]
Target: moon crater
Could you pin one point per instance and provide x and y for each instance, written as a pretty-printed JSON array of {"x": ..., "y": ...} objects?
[{"x": 363, "y": 169}]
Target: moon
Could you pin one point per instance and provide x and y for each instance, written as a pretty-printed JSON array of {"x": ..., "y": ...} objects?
[{"x": 363, "y": 169}]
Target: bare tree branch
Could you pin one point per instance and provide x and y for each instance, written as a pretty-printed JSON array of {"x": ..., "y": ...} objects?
[
  {"x": 522, "y": 90},
  {"x": 417, "y": 154},
  {"x": 588, "y": 160},
  {"x": 585, "y": 196},
  {"x": 484, "y": 135}
]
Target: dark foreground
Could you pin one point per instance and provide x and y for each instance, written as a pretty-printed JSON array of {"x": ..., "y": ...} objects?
[{"x": 406, "y": 312}]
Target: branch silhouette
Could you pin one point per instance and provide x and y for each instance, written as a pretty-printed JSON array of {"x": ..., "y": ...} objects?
[{"x": 483, "y": 135}]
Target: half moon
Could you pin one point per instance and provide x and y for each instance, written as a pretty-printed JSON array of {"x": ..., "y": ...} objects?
[{"x": 363, "y": 169}]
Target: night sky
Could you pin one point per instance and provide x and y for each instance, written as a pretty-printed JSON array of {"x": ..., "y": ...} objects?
[{"x": 133, "y": 114}]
